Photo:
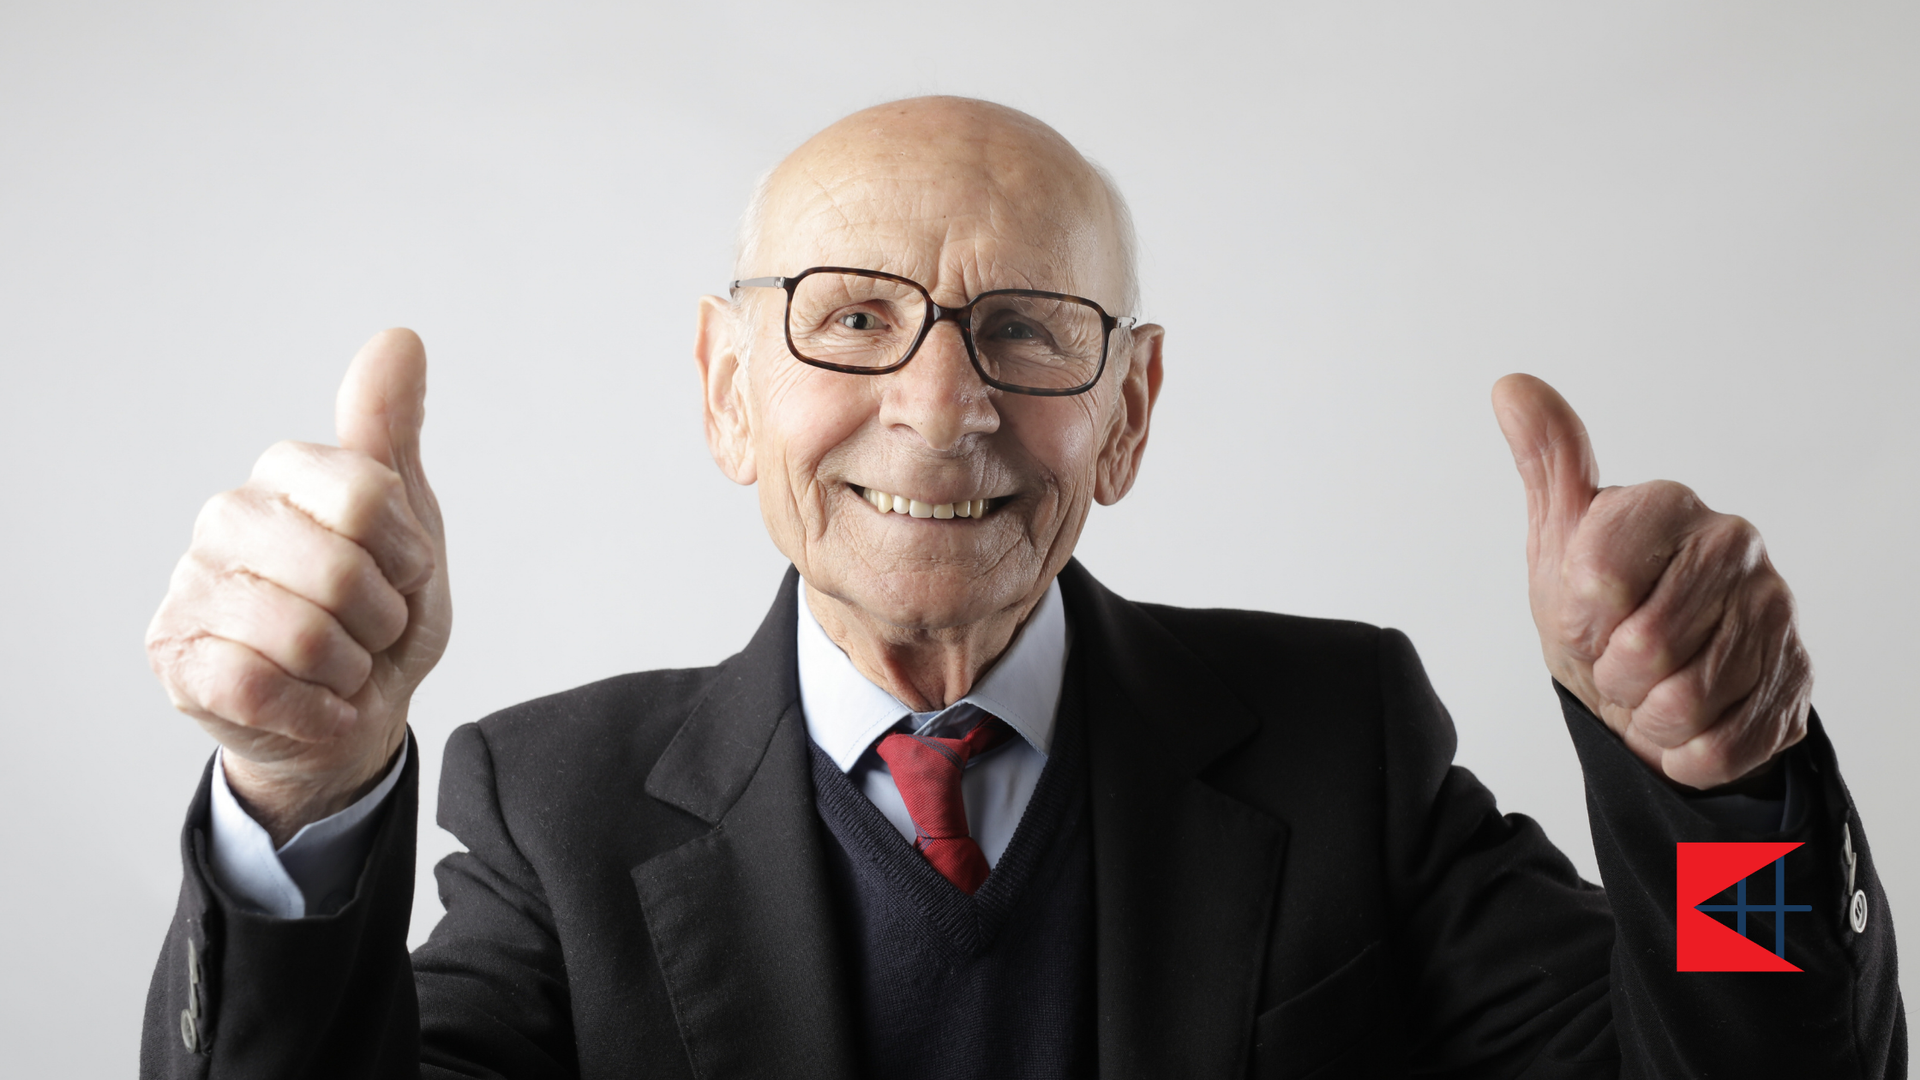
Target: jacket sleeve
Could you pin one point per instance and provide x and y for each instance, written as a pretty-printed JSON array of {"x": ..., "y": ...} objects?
[
  {"x": 1839, "y": 1016},
  {"x": 1513, "y": 966},
  {"x": 238, "y": 994}
]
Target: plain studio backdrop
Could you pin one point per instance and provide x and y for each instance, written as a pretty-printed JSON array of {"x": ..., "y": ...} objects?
[{"x": 1697, "y": 220}]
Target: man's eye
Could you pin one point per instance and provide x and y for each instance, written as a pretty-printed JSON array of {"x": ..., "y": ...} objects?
[
  {"x": 1016, "y": 331},
  {"x": 859, "y": 320}
]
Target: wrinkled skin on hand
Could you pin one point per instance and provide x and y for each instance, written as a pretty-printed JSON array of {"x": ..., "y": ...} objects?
[
  {"x": 1664, "y": 617},
  {"x": 313, "y": 600}
]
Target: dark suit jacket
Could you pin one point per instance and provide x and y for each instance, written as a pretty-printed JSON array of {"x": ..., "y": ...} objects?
[{"x": 1291, "y": 878}]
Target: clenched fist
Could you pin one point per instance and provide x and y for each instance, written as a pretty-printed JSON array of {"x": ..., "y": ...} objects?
[
  {"x": 1664, "y": 617},
  {"x": 313, "y": 600}
]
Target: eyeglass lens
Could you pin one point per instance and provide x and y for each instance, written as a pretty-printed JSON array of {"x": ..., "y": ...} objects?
[{"x": 1037, "y": 342}]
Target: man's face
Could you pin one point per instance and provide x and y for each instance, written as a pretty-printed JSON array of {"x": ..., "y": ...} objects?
[{"x": 962, "y": 205}]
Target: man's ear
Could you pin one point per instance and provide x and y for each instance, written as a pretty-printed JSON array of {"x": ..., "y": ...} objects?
[
  {"x": 1126, "y": 440},
  {"x": 723, "y": 390}
]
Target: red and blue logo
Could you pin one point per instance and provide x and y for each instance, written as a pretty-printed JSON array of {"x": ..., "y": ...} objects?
[{"x": 1704, "y": 943}]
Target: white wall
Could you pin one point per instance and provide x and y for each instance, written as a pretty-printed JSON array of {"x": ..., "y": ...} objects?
[{"x": 1698, "y": 220}]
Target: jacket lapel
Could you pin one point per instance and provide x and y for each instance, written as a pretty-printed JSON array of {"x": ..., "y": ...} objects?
[
  {"x": 1185, "y": 877},
  {"x": 741, "y": 916}
]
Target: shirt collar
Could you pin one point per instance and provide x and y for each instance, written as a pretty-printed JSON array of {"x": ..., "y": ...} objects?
[{"x": 846, "y": 713}]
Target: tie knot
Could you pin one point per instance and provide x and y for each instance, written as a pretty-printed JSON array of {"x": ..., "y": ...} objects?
[
  {"x": 927, "y": 769},
  {"x": 953, "y": 722},
  {"x": 915, "y": 751}
]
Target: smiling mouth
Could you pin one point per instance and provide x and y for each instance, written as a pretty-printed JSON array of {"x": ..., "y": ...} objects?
[{"x": 901, "y": 504}]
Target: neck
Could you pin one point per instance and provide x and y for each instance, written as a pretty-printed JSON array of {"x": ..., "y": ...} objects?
[{"x": 925, "y": 669}]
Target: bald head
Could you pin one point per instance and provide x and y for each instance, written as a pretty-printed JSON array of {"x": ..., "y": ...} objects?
[{"x": 900, "y": 180}]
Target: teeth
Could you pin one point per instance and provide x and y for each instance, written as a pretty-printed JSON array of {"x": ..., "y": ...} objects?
[{"x": 900, "y": 504}]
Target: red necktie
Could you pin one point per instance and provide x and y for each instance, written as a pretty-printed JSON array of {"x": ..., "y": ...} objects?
[{"x": 927, "y": 772}]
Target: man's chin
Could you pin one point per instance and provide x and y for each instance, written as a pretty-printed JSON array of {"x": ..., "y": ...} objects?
[{"x": 929, "y": 600}]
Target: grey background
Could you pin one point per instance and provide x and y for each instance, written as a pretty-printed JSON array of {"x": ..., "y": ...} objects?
[{"x": 1697, "y": 220}]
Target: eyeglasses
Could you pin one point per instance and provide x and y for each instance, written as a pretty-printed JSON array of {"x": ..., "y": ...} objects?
[{"x": 866, "y": 322}]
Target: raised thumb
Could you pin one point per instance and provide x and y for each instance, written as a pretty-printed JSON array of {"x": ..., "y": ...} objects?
[
  {"x": 1551, "y": 450},
  {"x": 381, "y": 405}
]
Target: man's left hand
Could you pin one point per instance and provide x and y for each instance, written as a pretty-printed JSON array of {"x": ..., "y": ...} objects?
[{"x": 1665, "y": 618}]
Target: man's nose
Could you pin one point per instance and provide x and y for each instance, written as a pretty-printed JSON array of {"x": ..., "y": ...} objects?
[{"x": 938, "y": 394}]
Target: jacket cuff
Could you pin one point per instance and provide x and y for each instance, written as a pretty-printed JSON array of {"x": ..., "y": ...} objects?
[{"x": 240, "y": 993}]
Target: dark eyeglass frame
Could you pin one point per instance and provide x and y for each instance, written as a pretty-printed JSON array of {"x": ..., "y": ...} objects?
[{"x": 962, "y": 320}]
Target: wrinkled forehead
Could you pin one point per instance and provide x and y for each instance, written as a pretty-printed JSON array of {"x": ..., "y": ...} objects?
[{"x": 960, "y": 211}]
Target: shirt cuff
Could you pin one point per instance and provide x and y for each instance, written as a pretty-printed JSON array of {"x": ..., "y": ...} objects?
[{"x": 312, "y": 874}]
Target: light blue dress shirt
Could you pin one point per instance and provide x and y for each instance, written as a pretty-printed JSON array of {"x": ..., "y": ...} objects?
[
  {"x": 313, "y": 873},
  {"x": 847, "y": 714}
]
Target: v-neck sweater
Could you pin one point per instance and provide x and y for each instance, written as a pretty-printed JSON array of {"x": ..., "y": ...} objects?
[{"x": 995, "y": 985}]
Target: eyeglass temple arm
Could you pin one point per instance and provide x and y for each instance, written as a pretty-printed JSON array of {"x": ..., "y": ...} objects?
[{"x": 760, "y": 283}]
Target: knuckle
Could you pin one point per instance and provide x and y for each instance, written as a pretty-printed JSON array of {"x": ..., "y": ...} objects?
[
  {"x": 279, "y": 457},
  {"x": 253, "y": 692},
  {"x": 197, "y": 677},
  {"x": 1598, "y": 598},
  {"x": 1635, "y": 645},
  {"x": 1615, "y": 686},
  {"x": 183, "y": 585},
  {"x": 1566, "y": 628},
  {"x": 368, "y": 501},
  {"x": 1671, "y": 712},
  {"x": 387, "y": 619},
  {"x": 167, "y": 655},
  {"x": 242, "y": 589},
  {"x": 189, "y": 575},
  {"x": 1774, "y": 605},
  {"x": 309, "y": 644},
  {"x": 1740, "y": 529},
  {"x": 331, "y": 579},
  {"x": 1734, "y": 542},
  {"x": 220, "y": 514},
  {"x": 351, "y": 588},
  {"x": 1672, "y": 494},
  {"x": 1687, "y": 701},
  {"x": 375, "y": 484},
  {"x": 1704, "y": 764},
  {"x": 1595, "y": 580}
]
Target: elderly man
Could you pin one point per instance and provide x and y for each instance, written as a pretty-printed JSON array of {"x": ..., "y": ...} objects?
[{"x": 957, "y": 810}]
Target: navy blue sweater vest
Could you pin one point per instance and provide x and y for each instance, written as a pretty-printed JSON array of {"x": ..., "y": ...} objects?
[{"x": 996, "y": 985}]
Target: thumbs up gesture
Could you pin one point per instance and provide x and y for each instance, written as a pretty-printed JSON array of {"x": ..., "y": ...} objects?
[
  {"x": 313, "y": 600},
  {"x": 1664, "y": 617}
]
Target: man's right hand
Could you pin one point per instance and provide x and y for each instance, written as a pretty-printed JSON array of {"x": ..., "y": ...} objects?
[{"x": 313, "y": 600}]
